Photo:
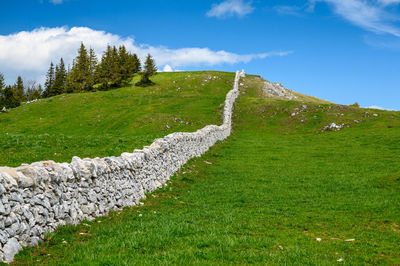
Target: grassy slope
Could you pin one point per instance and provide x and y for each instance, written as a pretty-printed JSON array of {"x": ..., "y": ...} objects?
[
  {"x": 257, "y": 82},
  {"x": 111, "y": 122},
  {"x": 274, "y": 187}
]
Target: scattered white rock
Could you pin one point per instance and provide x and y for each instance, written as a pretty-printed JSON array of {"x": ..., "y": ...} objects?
[
  {"x": 350, "y": 240},
  {"x": 32, "y": 101},
  {"x": 333, "y": 127},
  {"x": 277, "y": 90},
  {"x": 318, "y": 239},
  {"x": 375, "y": 115},
  {"x": 340, "y": 260}
]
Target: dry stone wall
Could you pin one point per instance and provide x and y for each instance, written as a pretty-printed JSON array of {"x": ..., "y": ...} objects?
[{"x": 36, "y": 198}]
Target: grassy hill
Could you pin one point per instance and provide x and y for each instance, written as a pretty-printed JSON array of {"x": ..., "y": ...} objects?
[
  {"x": 283, "y": 189},
  {"x": 108, "y": 123}
]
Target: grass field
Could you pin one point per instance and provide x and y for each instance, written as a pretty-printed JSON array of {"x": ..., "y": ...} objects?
[
  {"x": 280, "y": 190},
  {"x": 111, "y": 122}
]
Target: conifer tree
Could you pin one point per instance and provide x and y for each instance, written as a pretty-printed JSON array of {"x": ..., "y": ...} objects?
[
  {"x": 102, "y": 73},
  {"x": 149, "y": 70},
  {"x": 116, "y": 77},
  {"x": 49, "y": 84},
  {"x": 136, "y": 64},
  {"x": 69, "y": 86},
  {"x": 60, "y": 79},
  {"x": 125, "y": 70},
  {"x": 2, "y": 83},
  {"x": 92, "y": 60},
  {"x": 78, "y": 78},
  {"x": 2, "y": 86},
  {"x": 108, "y": 70},
  {"x": 133, "y": 64},
  {"x": 19, "y": 89},
  {"x": 92, "y": 67},
  {"x": 9, "y": 99}
]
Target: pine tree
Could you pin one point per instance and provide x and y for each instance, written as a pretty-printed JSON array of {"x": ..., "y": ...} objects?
[
  {"x": 92, "y": 67},
  {"x": 124, "y": 62},
  {"x": 105, "y": 72},
  {"x": 79, "y": 76},
  {"x": 9, "y": 99},
  {"x": 69, "y": 86},
  {"x": 102, "y": 74},
  {"x": 49, "y": 84},
  {"x": 116, "y": 77},
  {"x": 2, "y": 86},
  {"x": 2, "y": 83},
  {"x": 149, "y": 70},
  {"x": 19, "y": 89},
  {"x": 133, "y": 64},
  {"x": 136, "y": 63},
  {"x": 60, "y": 79}
]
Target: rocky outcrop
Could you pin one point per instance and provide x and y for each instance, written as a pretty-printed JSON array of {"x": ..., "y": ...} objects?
[
  {"x": 277, "y": 90},
  {"x": 36, "y": 198}
]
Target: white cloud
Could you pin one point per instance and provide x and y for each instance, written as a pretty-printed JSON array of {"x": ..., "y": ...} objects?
[
  {"x": 230, "y": 8},
  {"x": 28, "y": 53},
  {"x": 167, "y": 68},
  {"x": 369, "y": 15}
]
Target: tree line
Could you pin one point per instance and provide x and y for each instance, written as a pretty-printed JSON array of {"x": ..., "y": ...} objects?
[
  {"x": 11, "y": 96},
  {"x": 116, "y": 68}
]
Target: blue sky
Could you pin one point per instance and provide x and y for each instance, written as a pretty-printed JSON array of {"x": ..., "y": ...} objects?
[{"x": 340, "y": 50}]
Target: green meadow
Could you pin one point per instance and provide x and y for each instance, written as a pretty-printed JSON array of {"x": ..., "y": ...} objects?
[
  {"x": 107, "y": 123},
  {"x": 282, "y": 189}
]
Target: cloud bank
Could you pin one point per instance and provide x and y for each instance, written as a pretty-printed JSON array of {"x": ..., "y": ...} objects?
[
  {"x": 29, "y": 53},
  {"x": 230, "y": 8}
]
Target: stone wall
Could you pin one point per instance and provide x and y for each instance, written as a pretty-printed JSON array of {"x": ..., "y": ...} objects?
[{"x": 36, "y": 198}]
